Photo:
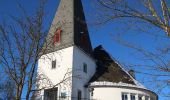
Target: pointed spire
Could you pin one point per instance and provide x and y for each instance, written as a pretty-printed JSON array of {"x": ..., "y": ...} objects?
[
  {"x": 71, "y": 20},
  {"x": 81, "y": 34}
]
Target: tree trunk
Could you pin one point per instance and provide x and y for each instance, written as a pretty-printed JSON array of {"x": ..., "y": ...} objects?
[
  {"x": 19, "y": 92},
  {"x": 28, "y": 94}
]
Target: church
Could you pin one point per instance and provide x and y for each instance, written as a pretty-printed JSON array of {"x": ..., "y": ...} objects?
[{"x": 71, "y": 69}]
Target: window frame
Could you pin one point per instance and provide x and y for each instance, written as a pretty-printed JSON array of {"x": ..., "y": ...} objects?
[
  {"x": 51, "y": 94},
  {"x": 124, "y": 95},
  {"x": 146, "y": 97},
  {"x": 140, "y": 96},
  {"x": 79, "y": 95},
  {"x": 63, "y": 95},
  {"x": 132, "y": 95}
]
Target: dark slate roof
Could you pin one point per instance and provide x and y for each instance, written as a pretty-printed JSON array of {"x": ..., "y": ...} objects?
[
  {"x": 71, "y": 19},
  {"x": 108, "y": 70}
]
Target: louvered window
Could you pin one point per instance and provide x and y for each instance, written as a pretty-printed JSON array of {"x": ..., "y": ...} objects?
[{"x": 57, "y": 36}]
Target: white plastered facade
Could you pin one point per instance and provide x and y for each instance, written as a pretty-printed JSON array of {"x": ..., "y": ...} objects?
[
  {"x": 68, "y": 71},
  {"x": 114, "y": 91}
]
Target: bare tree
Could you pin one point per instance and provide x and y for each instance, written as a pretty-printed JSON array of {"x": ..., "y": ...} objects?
[
  {"x": 153, "y": 65},
  {"x": 24, "y": 41},
  {"x": 7, "y": 88},
  {"x": 21, "y": 43},
  {"x": 154, "y": 12}
]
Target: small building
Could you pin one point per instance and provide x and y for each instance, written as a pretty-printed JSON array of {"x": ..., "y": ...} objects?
[
  {"x": 71, "y": 70},
  {"x": 111, "y": 81}
]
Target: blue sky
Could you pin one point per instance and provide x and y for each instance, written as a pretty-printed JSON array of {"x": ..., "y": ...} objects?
[{"x": 99, "y": 34}]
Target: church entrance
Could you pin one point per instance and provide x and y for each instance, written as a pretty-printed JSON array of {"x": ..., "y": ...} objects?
[{"x": 51, "y": 94}]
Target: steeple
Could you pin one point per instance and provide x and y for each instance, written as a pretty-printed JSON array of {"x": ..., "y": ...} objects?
[{"x": 69, "y": 28}]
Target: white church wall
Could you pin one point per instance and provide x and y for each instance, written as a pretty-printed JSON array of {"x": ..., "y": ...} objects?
[
  {"x": 81, "y": 78},
  {"x": 115, "y": 93},
  {"x": 53, "y": 76}
]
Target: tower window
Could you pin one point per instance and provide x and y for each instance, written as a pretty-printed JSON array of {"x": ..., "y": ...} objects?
[
  {"x": 53, "y": 64},
  {"x": 79, "y": 95},
  {"x": 57, "y": 36},
  {"x": 124, "y": 96},
  {"x": 85, "y": 67}
]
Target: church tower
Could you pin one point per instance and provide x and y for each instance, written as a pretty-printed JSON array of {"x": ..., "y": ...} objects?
[
  {"x": 71, "y": 70},
  {"x": 69, "y": 28},
  {"x": 67, "y": 65}
]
